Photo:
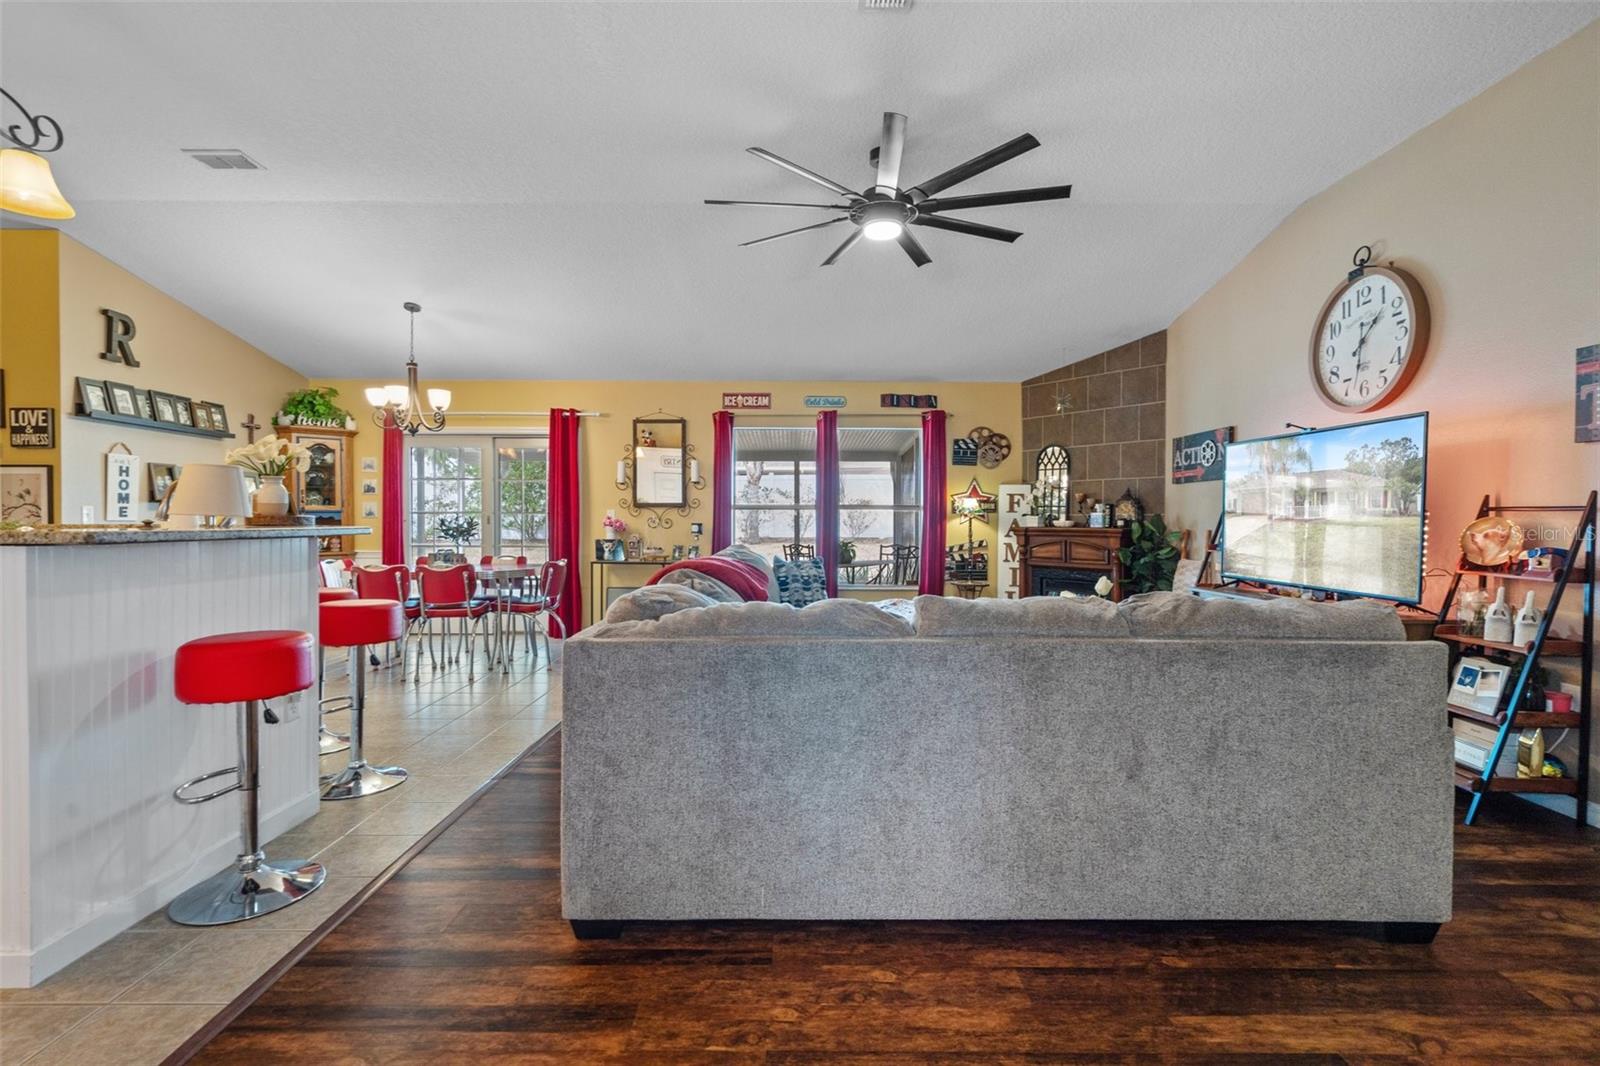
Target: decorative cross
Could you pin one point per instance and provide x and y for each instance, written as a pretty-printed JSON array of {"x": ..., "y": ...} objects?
[{"x": 250, "y": 425}]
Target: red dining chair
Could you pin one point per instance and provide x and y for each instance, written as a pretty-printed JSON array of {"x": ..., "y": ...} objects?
[
  {"x": 391, "y": 583},
  {"x": 552, "y": 584},
  {"x": 446, "y": 593}
]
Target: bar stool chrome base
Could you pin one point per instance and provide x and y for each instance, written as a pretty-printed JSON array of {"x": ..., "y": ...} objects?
[
  {"x": 248, "y": 890},
  {"x": 362, "y": 779},
  {"x": 329, "y": 742}
]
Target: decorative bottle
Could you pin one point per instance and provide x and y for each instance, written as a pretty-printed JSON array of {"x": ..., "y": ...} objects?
[
  {"x": 1528, "y": 620},
  {"x": 1497, "y": 619}
]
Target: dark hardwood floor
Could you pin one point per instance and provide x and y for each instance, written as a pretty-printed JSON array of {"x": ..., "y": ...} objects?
[{"x": 463, "y": 957}]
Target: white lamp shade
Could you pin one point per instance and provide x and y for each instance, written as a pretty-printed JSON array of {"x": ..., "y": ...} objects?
[
  {"x": 396, "y": 394},
  {"x": 210, "y": 489},
  {"x": 376, "y": 395},
  {"x": 439, "y": 399},
  {"x": 28, "y": 188}
]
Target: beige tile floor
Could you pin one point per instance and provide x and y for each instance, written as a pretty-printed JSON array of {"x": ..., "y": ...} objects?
[{"x": 141, "y": 994}]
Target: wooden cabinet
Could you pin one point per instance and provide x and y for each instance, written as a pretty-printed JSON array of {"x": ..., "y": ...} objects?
[
  {"x": 1051, "y": 560},
  {"x": 327, "y": 489}
]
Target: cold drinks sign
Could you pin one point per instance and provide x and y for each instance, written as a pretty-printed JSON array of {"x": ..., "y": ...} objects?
[{"x": 122, "y": 484}]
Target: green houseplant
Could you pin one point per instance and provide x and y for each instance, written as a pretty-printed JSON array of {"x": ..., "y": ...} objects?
[
  {"x": 457, "y": 529},
  {"x": 313, "y": 407},
  {"x": 1149, "y": 562}
]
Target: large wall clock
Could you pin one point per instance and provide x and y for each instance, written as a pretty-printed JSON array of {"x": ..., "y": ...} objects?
[{"x": 1370, "y": 337}]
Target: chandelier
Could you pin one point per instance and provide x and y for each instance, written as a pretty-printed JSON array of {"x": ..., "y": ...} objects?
[
  {"x": 26, "y": 185},
  {"x": 400, "y": 405}
]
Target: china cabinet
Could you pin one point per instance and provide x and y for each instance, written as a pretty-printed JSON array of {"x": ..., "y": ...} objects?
[{"x": 326, "y": 490}]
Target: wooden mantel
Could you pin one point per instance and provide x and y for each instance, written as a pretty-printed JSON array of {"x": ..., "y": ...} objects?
[{"x": 1078, "y": 548}]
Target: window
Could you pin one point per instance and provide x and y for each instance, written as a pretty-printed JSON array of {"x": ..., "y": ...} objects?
[
  {"x": 880, "y": 499},
  {"x": 775, "y": 490},
  {"x": 449, "y": 478}
]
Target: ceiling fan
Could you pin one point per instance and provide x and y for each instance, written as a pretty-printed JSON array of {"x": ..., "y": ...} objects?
[{"x": 883, "y": 211}]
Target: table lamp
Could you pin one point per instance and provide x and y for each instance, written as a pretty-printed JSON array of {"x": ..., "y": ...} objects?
[{"x": 212, "y": 492}]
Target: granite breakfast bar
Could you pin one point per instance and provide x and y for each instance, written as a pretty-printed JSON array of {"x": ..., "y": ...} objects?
[{"x": 93, "y": 741}]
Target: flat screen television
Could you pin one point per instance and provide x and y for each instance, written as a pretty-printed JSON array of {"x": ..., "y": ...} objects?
[{"x": 1338, "y": 509}]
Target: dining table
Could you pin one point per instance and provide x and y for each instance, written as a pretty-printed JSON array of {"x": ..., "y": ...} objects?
[{"x": 503, "y": 582}]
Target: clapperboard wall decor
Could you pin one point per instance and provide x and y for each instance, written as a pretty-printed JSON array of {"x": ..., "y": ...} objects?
[{"x": 964, "y": 452}]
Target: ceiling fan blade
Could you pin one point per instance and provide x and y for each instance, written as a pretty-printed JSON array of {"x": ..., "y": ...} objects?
[
  {"x": 961, "y": 225},
  {"x": 974, "y": 166},
  {"x": 792, "y": 232},
  {"x": 843, "y": 248},
  {"x": 913, "y": 249},
  {"x": 889, "y": 150},
  {"x": 995, "y": 199},
  {"x": 796, "y": 168},
  {"x": 777, "y": 203}
]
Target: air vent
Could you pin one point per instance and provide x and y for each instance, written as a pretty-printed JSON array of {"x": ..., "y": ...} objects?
[
  {"x": 223, "y": 158},
  {"x": 885, "y": 5}
]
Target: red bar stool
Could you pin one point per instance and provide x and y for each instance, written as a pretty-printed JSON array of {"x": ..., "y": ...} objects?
[
  {"x": 355, "y": 624},
  {"x": 244, "y": 668},
  {"x": 330, "y": 741}
]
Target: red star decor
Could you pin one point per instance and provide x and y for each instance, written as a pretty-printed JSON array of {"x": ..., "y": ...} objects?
[{"x": 974, "y": 502}]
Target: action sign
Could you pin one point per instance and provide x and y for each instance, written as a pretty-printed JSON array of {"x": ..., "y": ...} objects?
[
  {"x": 1198, "y": 456},
  {"x": 32, "y": 427}
]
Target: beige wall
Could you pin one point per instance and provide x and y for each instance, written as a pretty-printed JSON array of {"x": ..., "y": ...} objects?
[
  {"x": 1496, "y": 209},
  {"x": 179, "y": 351},
  {"x": 604, "y": 440}
]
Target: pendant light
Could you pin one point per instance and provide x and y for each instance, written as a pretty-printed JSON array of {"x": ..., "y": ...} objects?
[
  {"x": 26, "y": 185},
  {"x": 401, "y": 405}
]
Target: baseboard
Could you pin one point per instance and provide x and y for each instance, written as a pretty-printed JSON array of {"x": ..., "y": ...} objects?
[
  {"x": 24, "y": 969},
  {"x": 369, "y": 558}
]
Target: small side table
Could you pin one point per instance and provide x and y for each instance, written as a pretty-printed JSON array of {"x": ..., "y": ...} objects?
[{"x": 970, "y": 590}]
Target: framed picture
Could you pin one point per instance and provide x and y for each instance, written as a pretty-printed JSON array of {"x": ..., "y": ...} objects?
[
  {"x": 369, "y": 510},
  {"x": 92, "y": 396},
  {"x": 142, "y": 398},
  {"x": 219, "y": 417},
  {"x": 369, "y": 486},
  {"x": 25, "y": 494},
  {"x": 162, "y": 475},
  {"x": 166, "y": 406},
  {"x": 121, "y": 398},
  {"x": 369, "y": 464},
  {"x": 185, "y": 412},
  {"x": 202, "y": 416}
]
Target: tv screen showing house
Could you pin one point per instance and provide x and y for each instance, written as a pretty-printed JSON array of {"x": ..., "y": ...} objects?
[{"x": 1338, "y": 509}]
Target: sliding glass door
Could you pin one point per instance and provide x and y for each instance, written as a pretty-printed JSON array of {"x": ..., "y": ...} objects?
[{"x": 499, "y": 482}]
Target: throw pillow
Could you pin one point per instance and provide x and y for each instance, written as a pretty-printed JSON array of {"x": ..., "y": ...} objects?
[
  {"x": 654, "y": 601},
  {"x": 800, "y": 581},
  {"x": 1178, "y": 614},
  {"x": 827, "y": 619}
]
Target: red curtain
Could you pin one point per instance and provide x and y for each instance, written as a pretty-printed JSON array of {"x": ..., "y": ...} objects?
[
  {"x": 722, "y": 478},
  {"x": 564, "y": 507},
  {"x": 393, "y": 529},
  {"x": 934, "y": 501},
  {"x": 828, "y": 498}
]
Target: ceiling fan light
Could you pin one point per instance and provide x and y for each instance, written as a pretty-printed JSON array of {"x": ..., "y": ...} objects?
[
  {"x": 882, "y": 229},
  {"x": 28, "y": 188}
]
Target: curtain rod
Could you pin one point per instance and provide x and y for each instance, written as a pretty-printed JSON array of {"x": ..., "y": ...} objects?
[
  {"x": 521, "y": 414},
  {"x": 887, "y": 413}
]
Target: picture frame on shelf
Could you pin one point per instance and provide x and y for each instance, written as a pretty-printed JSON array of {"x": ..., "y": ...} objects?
[
  {"x": 219, "y": 417},
  {"x": 122, "y": 399},
  {"x": 147, "y": 411},
  {"x": 92, "y": 397},
  {"x": 166, "y": 407},
  {"x": 162, "y": 475},
  {"x": 185, "y": 411},
  {"x": 202, "y": 416},
  {"x": 25, "y": 494}
]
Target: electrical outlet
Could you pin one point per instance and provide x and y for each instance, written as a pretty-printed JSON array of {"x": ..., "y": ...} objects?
[
  {"x": 88, "y": 514},
  {"x": 291, "y": 709}
]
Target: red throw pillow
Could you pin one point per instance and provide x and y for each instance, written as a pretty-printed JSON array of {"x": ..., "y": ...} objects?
[{"x": 746, "y": 580}]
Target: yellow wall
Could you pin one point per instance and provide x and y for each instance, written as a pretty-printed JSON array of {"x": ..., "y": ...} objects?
[
  {"x": 604, "y": 440},
  {"x": 30, "y": 340},
  {"x": 179, "y": 351}
]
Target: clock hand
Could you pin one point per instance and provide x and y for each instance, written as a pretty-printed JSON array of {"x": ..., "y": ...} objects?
[{"x": 1365, "y": 334}]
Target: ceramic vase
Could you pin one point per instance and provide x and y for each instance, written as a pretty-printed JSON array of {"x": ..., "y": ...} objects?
[{"x": 271, "y": 498}]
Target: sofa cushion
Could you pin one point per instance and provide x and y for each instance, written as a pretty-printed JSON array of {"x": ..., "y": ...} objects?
[
  {"x": 746, "y": 554},
  {"x": 704, "y": 584},
  {"x": 653, "y": 601},
  {"x": 833, "y": 619},
  {"x": 748, "y": 581},
  {"x": 800, "y": 581},
  {"x": 1177, "y": 614},
  {"x": 1032, "y": 616}
]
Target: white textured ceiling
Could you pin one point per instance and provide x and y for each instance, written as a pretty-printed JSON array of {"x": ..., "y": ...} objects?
[{"x": 532, "y": 173}]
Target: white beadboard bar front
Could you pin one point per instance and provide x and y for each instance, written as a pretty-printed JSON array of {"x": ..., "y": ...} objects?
[{"x": 93, "y": 741}]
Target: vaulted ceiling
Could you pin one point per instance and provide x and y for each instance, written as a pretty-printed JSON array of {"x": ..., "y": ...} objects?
[{"x": 533, "y": 173}]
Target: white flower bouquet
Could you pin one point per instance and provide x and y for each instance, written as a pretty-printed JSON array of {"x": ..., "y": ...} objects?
[{"x": 271, "y": 457}]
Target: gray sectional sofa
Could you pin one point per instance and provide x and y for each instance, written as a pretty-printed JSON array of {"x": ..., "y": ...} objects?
[{"x": 1165, "y": 758}]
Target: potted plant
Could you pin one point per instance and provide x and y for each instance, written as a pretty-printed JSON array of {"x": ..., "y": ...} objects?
[
  {"x": 268, "y": 460},
  {"x": 1150, "y": 561},
  {"x": 458, "y": 530},
  {"x": 313, "y": 407}
]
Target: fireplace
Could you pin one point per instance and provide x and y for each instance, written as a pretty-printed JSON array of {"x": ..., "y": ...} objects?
[{"x": 1052, "y": 581}]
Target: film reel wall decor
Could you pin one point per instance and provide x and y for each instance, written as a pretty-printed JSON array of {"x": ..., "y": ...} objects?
[{"x": 993, "y": 448}]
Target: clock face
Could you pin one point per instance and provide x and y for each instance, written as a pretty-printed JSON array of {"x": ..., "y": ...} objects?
[{"x": 1369, "y": 340}]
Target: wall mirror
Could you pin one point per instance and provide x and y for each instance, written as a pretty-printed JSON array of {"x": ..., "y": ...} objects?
[
  {"x": 1052, "y": 482},
  {"x": 660, "y": 461}
]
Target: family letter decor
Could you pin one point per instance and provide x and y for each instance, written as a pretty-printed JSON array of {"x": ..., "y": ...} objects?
[
  {"x": 32, "y": 427},
  {"x": 119, "y": 337},
  {"x": 907, "y": 399},
  {"x": 1198, "y": 456}
]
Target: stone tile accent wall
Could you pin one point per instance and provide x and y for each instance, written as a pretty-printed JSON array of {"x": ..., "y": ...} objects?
[{"x": 1114, "y": 424}]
